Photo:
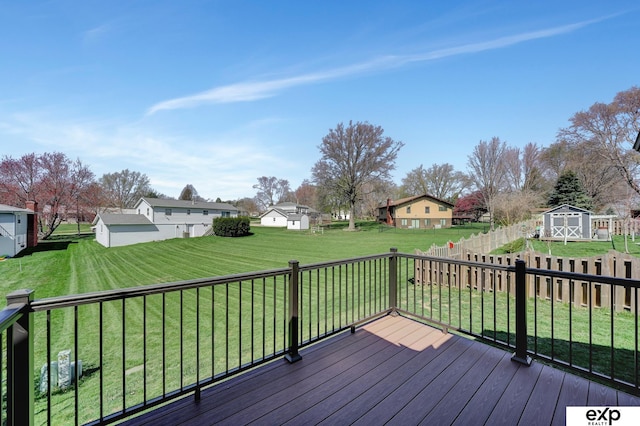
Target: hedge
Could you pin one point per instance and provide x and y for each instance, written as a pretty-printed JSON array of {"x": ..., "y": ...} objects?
[{"x": 231, "y": 226}]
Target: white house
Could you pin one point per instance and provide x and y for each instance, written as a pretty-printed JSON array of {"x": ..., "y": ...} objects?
[
  {"x": 156, "y": 219},
  {"x": 298, "y": 221},
  {"x": 14, "y": 229},
  {"x": 274, "y": 217},
  {"x": 278, "y": 215}
]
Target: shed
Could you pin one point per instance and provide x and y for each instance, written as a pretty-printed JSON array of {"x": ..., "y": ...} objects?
[
  {"x": 567, "y": 223},
  {"x": 298, "y": 222},
  {"x": 274, "y": 217},
  {"x": 114, "y": 230}
]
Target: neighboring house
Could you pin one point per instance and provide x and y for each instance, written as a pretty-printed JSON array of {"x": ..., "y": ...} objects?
[
  {"x": 278, "y": 215},
  {"x": 274, "y": 217},
  {"x": 566, "y": 223},
  {"x": 156, "y": 219},
  {"x": 18, "y": 229},
  {"x": 298, "y": 222},
  {"x": 418, "y": 212}
]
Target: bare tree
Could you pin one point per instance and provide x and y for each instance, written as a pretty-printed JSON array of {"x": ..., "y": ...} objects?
[
  {"x": 613, "y": 127},
  {"x": 189, "y": 193},
  {"x": 352, "y": 157},
  {"x": 533, "y": 169},
  {"x": 20, "y": 179},
  {"x": 306, "y": 194},
  {"x": 271, "y": 191},
  {"x": 515, "y": 207},
  {"x": 82, "y": 189},
  {"x": 487, "y": 168},
  {"x": 439, "y": 180},
  {"x": 123, "y": 189}
]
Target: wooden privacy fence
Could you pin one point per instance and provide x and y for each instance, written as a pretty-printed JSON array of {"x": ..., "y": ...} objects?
[
  {"x": 579, "y": 293},
  {"x": 483, "y": 243}
]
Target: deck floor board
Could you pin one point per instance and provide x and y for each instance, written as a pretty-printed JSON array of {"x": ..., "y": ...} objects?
[{"x": 393, "y": 370}]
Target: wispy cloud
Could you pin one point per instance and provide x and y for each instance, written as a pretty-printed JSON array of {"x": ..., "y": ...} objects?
[
  {"x": 96, "y": 33},
  {"x": 256, "y": 90}
]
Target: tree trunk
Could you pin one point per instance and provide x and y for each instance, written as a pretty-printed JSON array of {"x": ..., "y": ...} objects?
[{"x": 352, "y": 220}]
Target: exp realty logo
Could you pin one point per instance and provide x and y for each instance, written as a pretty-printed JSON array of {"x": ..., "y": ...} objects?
[{"x": 602, "y": 416}]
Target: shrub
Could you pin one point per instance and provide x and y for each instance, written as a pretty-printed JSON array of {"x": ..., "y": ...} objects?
[{"x": 231, "y": 226}]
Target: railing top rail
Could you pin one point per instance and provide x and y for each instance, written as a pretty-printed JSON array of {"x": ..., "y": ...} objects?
[
  {"x": 147, "y": 290},
  {"x": 473, "y": 263},
  {"x": 10, "y": 315},
  {"x": 313, "y": 266},
  {"x": 579, "y": 276}
]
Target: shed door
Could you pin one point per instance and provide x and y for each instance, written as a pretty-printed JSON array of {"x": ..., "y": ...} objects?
[{"x": 566, "y": 224}]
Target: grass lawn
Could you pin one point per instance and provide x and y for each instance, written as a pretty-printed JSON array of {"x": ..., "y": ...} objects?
[{"x": 72, "y": 264}]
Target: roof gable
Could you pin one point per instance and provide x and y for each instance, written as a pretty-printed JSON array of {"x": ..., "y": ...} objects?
[{"x": 567, "y": 208}]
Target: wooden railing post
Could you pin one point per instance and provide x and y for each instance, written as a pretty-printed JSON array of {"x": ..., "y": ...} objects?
[
  {"x": 20, "y": 390},
  {"x": 521, "y": 354},
  {"x": 292, "y": 354},
  {"x": 393, "y": 281}
]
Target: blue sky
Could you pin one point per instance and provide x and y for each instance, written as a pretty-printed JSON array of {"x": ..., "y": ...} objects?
[{"x": 219, "y": 93}]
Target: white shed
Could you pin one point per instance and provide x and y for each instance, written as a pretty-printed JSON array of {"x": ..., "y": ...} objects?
[
  {"x": 274, "y": 217},
  {"x": 298, "y": 222}
]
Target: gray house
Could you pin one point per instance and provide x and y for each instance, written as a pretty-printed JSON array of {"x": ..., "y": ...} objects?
[
  {"x": 567, "y": 223},
  {"x": 156, "y": 219}
]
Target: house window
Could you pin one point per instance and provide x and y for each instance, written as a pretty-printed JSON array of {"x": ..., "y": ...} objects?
[
  {"x": 403, "y": 222},
  {"x": 443, "y": 222},
  {"x": 226, "y": 214},
  {"x": 147, "y": 211},
  {"x": 167, "y": 212},
  {"x": 205, "y": 212},
  {"x": 442, "y": 208},
  {"x": 427, "y": 222},
  {"x": 409, "y": 209},
  {"x": 188, "y": 212},
  {"x": 274, "y": 219},
  {"x": 427, "y": 210}
]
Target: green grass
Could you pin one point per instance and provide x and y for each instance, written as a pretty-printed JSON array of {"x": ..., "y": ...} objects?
[
  {"x": 575, "y": 248},
  {"x": 71, "y": 264}
]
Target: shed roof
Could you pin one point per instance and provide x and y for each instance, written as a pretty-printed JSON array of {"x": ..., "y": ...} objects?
[{"x": 567, "y": 208}]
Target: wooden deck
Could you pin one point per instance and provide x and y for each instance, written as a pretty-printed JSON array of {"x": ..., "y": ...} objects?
[{"x": 392, "y": 371}]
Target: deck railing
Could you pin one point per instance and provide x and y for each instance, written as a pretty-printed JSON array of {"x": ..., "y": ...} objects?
[{"x": 102, "y": 357}]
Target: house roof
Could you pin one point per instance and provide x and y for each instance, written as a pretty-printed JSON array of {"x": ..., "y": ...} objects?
[
  {"x": 159, "y": 202},
  {"x": 10, "y": 209},
  {"x": 123, "y": 219},
  {"x": 274, "y": 209},
  {"x": 408, "y": 200}
]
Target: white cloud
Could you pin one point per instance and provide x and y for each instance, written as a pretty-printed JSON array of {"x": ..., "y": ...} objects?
[
  {"x": 256, "y": 90},
  {"x": 224, "y": 165}
]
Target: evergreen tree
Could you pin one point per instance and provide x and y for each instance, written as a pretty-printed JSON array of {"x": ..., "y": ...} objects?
[{"x": 569, "y": 190}]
